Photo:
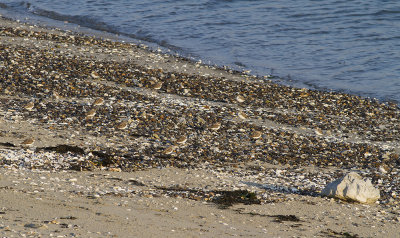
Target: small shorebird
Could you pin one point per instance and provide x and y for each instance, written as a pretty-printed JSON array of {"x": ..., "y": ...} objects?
[
  {"x": 29, "y": 106},
  {"x": 240, "y": 98},
  {"x": 122, "y": 125},
  {"x": 98, "y": 102},
  {"x": 56, "y": 95},
  {"x": 319, "y": 132},
  {"x": 215, "y": 126},
  {"x": 181, "y": 140},
  {"x": 28, "y": 142},
  {"x": 242, "y": 115},
  {"x": 169, "y": 150},
  {"x": 90, "y": 114},
  {"x": 256, "y": 135},
  {"x": 157, "y": 85},
  {"x": 384, "y": 168},
  {"x": 95, "y": 75},
  {"x": 206, "y": 107}
]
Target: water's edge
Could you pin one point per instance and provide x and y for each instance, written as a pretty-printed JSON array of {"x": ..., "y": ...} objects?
[{"x": 93, "y": 27}]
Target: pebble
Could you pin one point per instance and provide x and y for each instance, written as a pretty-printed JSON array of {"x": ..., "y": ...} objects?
[{"x": 35, "y": 226}]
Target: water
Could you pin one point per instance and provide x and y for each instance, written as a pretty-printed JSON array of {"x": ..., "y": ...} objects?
[{"x": 349, "y": 46}]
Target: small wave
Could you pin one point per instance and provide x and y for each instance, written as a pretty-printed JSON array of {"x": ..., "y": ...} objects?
[
  {"x": 240, "y": 64},
  {"x": 91, "y": 22},
  {"x": 86, "y": 21},
  {"x": 17, "y": 6},
  {"x": 386, "y": 12}
]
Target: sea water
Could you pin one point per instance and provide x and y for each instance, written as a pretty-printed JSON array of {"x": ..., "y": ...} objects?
[{"x": 341, "y": 45}]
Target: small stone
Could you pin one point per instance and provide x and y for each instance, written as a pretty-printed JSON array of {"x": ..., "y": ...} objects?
[
  {"x": 33, "y": 225},
  {"x": 352, "y": 187}
]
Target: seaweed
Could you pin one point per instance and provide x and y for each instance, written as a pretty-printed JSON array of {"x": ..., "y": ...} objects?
[
  {"x": 7, "y": 144},
  {"x": 106, "y": 159},
  {"x": 278, "y": 218},
  {"x": 62, "y": 149},
  {"x": 229, "y": 198},
  {"x": 282, "y": 218},
  {"x": 334, "y": 234},
  {"x": 224, "y": 199}
]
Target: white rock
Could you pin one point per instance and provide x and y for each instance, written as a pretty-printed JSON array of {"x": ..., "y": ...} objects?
[{"x": 352, "y": 187}]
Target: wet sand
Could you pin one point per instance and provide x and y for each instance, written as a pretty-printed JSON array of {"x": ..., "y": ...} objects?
[{"x": 171, "y": 141}]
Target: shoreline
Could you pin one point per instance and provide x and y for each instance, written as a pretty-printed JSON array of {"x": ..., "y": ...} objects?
[{"x": 148, "y": 120}]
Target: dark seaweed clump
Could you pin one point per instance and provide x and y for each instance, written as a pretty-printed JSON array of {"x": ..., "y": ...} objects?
[
  {"x": 229, "y": 198},
  {"x": 335, "y": 234}
]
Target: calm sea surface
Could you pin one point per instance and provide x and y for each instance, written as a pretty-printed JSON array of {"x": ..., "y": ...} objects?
[{"x": 342, "y": 45}]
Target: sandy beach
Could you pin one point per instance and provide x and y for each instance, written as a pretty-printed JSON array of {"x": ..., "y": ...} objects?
[{"x": 101, "y": 138}]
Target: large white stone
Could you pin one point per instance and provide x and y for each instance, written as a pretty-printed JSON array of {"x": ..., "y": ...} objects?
[{"x": 352, "y": 187}]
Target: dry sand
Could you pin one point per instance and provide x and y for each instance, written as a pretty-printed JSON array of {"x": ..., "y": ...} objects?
[
  {"x": 44, "y": 203},
  {"x": 66, "y": 204}
]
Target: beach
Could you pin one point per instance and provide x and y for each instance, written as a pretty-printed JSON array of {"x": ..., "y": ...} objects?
[{"x": 101, "y": 138}]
